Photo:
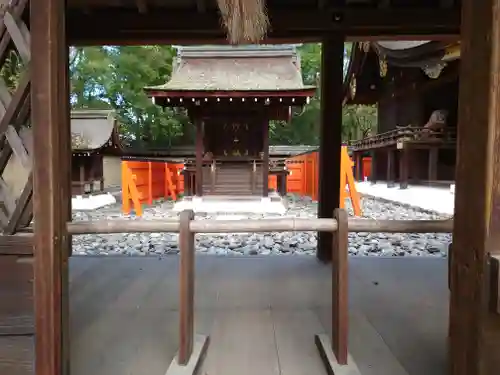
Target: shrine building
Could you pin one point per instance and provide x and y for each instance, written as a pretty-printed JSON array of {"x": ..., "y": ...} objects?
[
  {"x": 415, "y": 87},
  {"x": 231, "y": 94}
]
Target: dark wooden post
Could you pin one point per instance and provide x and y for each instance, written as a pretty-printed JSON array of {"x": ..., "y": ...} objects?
[
  {"x": 332, "y": 63},
  {"x": 359, "y": 165},
  {"x": 199, "y": 158},
  {"x": 433, "y": 164},
  {"x": 404, "y": 165},
  {"x": 474, "y": 326},
  {"x": 390, "y": 168},
  {"x": 265, "y": 159},
  {"x": 52, "y": 158},
  {"x": 373, "y": 171}
]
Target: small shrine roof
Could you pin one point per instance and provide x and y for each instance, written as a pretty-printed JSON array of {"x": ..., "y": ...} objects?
[
  {"x": 91, "y": 129},
  {"x": 230, "y": 69}
]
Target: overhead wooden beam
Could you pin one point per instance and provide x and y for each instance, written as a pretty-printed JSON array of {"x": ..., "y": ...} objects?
[
  {"x": 474, "y": 337},
  {"x": 161, "y": 25}
]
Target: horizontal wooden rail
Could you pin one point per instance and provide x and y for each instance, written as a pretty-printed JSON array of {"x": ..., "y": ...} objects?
[{"x": 268, "y": 225}]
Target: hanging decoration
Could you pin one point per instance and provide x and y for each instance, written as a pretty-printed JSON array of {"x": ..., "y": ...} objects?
[
  {"x": 352, "y": 87},
  {"x": 245, "y": 21},
  {"x": 383, "y": 66},
  {"x": 434, "y": 71}
]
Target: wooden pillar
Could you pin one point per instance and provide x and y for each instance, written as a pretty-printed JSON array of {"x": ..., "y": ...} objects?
[
  {"x": 281, "y": 182},
  {"x": 391, "y": 176},
  {"x": 474, "y": 325},
  {"x": 199, "y": 158},
  {"x": 404, "y": 165},
  {"x": 373, "y": 171},
  {"x": 332, "y": 61},
  {"x": 52, "y": 158},
  {"x": 433, "y": 164},
  {"x": 359, "y": 165},
  {"x": 265, "y": 159}
]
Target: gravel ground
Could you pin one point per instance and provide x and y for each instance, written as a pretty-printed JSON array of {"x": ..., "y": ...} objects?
[{"x": 291, "y": 243}]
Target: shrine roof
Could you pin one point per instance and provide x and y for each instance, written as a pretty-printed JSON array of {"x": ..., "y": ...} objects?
[
  {"x": 91, "y": 129},
  {"x": 233, "y": 69},
  {"x": 370, "y": 62}
]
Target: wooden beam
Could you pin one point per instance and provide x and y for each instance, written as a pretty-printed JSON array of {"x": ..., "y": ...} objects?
[
  {"x": 332, "y": 62},
  {"x": 474, "y": 329},
  {"x": 167, "y": 25},
  {"x": 50, "y": 127}
]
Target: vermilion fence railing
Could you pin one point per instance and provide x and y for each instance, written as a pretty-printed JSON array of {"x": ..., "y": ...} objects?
[{"x": 145, "y": 181}]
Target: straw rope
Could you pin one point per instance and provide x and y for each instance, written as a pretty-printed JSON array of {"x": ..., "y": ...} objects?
[{"x": 245, "y": 21}]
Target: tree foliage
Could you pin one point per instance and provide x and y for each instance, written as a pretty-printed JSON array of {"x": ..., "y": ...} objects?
[{"x": 110, "y": 77}]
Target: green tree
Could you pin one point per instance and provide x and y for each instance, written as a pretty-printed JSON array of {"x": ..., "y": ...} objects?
[{"x": 114, "y": 78}]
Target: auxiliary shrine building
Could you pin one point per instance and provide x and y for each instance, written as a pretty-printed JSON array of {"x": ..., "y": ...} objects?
[
  {"x": 415, "y": 84},
  {"x": 231, "y": 93}
]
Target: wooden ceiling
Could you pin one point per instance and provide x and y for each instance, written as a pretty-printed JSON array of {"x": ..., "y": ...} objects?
[{"x": 197, "y": 21}]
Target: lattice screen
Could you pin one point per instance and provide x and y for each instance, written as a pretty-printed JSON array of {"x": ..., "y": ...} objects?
[{"x": 16, "y": 187}]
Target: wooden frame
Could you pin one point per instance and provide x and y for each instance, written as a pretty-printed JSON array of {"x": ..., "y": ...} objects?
[{"x": 474, "y": 328}]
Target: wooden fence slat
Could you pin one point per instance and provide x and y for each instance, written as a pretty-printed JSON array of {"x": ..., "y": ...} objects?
[
  {"x": 340, "y": 289},
  {"x": 186, "y": 284},
  {"x": 17, "y": 37},
  {"x": 15, "y": 108},
  {"x": 5, "y": 197},
  {"x": 17, "y": 11},
  {"x": 19, "y": 213},
  {"x": 18, "y": 148},
  {"x": 5, "y": 97}
]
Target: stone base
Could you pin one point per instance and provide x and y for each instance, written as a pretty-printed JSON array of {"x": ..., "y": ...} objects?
[
  {"x": 200, "y": 346},
  {"x": 274, "y": 204},
  {"x": 92, "y": 202},
  {"x": 332, "y": 366}
]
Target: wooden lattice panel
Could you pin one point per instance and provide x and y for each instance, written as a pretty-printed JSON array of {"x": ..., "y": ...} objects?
[{"x": 15, "y": 212}]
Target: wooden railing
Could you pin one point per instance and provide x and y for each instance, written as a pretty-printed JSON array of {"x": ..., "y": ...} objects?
[
  {"x": 404, "y": 134},
  {"x": 145, "y": 181},
  {"x": 192, "y": 347}
]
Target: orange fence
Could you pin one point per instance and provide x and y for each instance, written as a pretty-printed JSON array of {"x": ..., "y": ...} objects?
[
  {"x": 145, "y": 181},
  {"x": 367, "y": 167},
  {"x": 303, "y": 176}
]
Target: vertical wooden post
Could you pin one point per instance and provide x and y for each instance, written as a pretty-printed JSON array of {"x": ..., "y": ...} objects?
[
  {"x": 373, "y": 166},
  {"x": 186, "y": 282},
  {"x": 332, "y": 64},
  {"x": 390, "y": 168},
  {"x": 199, "y": 158},
  {"x": 433, "y": 164},
  {"x": 340, "y": 287},
  {"x": 265, "y": 159},
  {"x": 52, "y": 158},
  {"x": 359, "y": 165},
  {"x": 404, "y": 161},
  {"x": 474, "y": 326}
]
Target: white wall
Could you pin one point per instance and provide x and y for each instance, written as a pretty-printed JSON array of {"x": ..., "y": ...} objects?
[{"x": 112, "y": 171}]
